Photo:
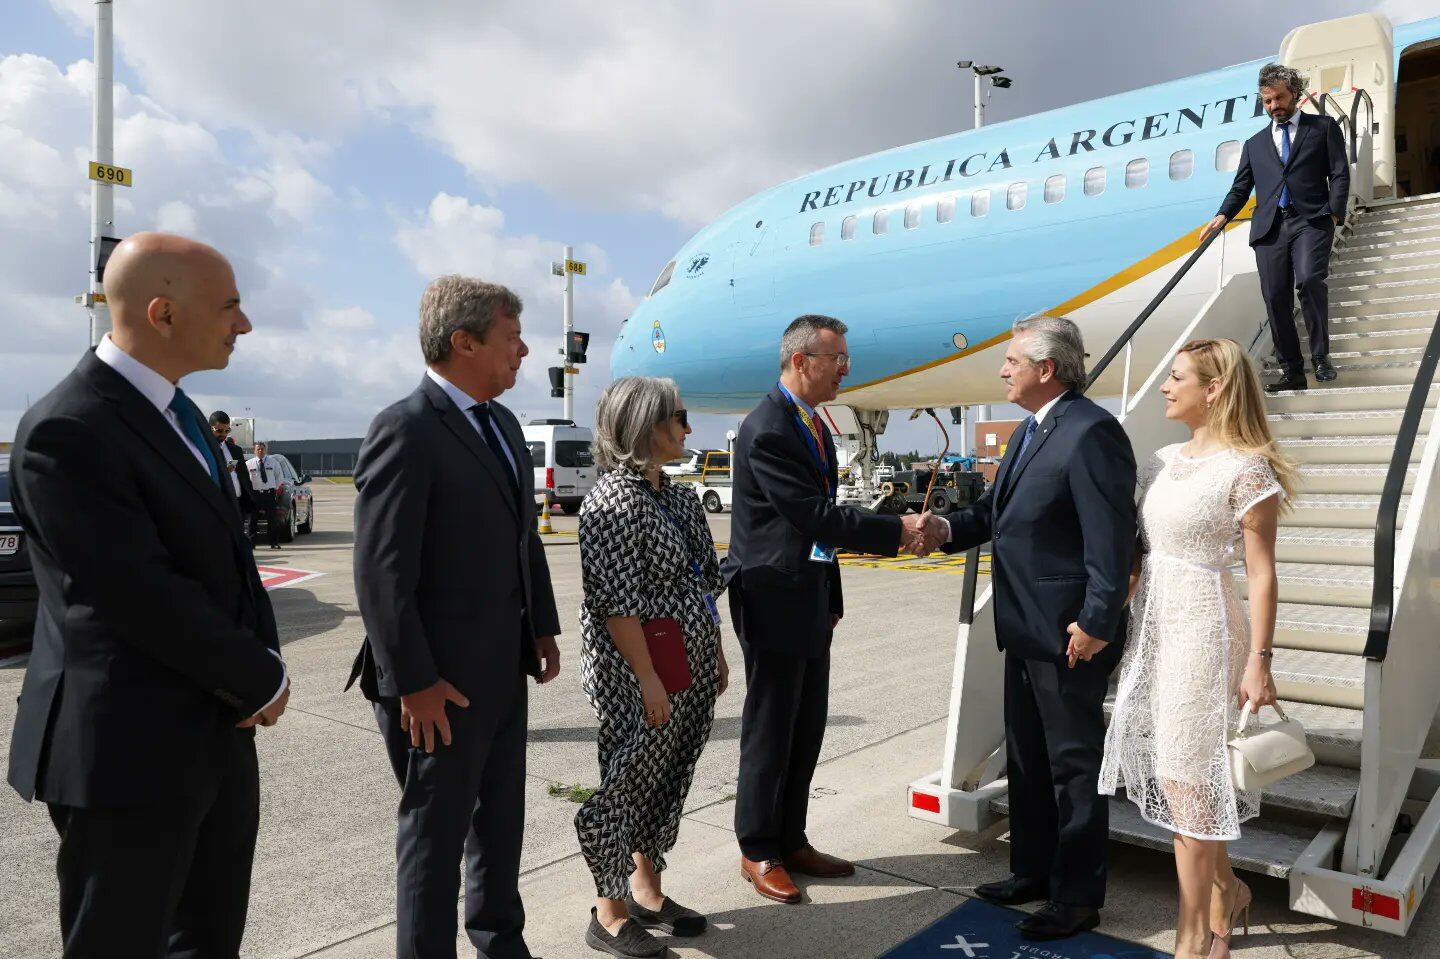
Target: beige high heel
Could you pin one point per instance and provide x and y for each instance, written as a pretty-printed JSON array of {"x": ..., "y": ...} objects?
[{"x": 1240, "y": 912}]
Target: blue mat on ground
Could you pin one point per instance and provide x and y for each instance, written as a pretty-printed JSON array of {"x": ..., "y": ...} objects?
[{"x": 980, "y": 930}]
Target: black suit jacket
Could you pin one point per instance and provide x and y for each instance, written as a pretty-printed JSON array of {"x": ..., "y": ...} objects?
[
  {"x": 782, "y": 507},
  {"x": 450, "y": 572},
  {"x": 1062, "y": 527},
  {"x": 247, "y": 489},
  {"x": 153, "y": 634},
  {"x": 1318, "y": 174}
]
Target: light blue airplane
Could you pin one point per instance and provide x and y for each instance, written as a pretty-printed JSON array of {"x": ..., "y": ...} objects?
[{"x": 929, "y": 252}]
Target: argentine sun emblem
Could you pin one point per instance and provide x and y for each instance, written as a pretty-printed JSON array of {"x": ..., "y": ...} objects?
[{"x": 657, "y": 338}]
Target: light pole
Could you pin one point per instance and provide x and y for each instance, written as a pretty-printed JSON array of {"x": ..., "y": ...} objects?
[
  {"x": 984, "y": 76},
  {"x": 982, "y": 95},
  {"x": 102, "y": 195}
]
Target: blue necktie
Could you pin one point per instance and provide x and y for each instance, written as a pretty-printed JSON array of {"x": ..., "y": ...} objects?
[
  {"x": 1284, "y": 160},
  {"x": 1030, "y": 425},
  {"x": 188, "y": 415},
  {"x": 496, "y": 444}
]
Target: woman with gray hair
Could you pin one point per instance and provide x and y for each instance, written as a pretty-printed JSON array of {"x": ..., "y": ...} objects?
[{"x": 650, "y": 660}]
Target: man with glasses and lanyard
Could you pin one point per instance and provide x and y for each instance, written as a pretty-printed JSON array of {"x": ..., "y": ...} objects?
[{"x": 785, "y": 600}]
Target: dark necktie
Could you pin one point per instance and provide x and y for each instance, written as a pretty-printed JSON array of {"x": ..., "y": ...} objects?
[
  {"x": 496, "y": 444},
  {"x": 188, "y": 415},
  {"x": 1284, "y": 160},
  {"x": 1030, "y": 425},
  {"x": 264, "y": 477}
]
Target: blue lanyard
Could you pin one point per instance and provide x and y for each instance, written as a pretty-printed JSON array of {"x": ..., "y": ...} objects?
[
  {"x": 685, "y": 542},
  {"x": 821, "y": 466}
]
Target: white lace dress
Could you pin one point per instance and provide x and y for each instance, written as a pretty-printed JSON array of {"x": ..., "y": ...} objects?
[{"x": 1188, "y": 643}]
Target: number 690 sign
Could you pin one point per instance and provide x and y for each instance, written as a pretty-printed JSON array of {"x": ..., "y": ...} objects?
[{"x": 118, "y": 175}]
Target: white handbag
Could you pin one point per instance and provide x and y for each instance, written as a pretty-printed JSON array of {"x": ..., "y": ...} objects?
[{"x": 1269, "y": 753}]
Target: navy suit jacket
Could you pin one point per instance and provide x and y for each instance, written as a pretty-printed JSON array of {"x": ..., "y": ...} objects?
[
  {"x": 782, "y": 506},
  {"x": 1318, "y": 175},
  {"x": 1062, "y": 527},
  {"x": 153, "y": 637}
]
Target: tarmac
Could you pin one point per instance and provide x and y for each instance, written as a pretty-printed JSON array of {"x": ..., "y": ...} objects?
[{"x": 324, "y": 870}]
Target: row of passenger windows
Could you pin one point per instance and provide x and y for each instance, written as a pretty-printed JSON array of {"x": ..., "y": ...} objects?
[{"x": 1137, "y": 174}]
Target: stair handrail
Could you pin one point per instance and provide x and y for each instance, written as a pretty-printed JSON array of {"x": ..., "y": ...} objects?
[
  {"x": 1382, "y": 602},
  {"x": 1360, "y": 94}
]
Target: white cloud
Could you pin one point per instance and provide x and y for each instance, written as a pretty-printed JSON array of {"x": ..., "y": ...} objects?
[{"x": 456, "y": 235}]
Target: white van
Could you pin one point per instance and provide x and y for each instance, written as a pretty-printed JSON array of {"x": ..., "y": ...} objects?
[{"x": 564, "y": 464}]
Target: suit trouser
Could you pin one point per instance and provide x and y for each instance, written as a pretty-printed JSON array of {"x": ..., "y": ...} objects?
[
  {"x": 782, "y": 727},
  {"x": 1295, "y": 254},
  {"x": 265, "y": 503},
  {"x": 465, "y": 800},
  {"x": 162, "y": 880},
  {"x": 1054, "y": 740}
]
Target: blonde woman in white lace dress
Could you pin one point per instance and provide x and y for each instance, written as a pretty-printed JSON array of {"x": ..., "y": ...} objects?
[{"x": 1194, "y": 655}]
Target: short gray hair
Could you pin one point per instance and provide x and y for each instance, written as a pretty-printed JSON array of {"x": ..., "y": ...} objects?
[
  {"x": 1057, "y": 339},
  {"x": 626, "y": 417},
  {"x": 1277, "y": 75},
  {"x": 800, "y": 335},
  {"x": 453, "y": 303}
]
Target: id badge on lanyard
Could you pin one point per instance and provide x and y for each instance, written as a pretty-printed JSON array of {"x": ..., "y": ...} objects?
[{"x": 711, "y": 606}]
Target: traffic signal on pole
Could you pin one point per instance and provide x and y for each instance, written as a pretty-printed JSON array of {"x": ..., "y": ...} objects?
[
  {"x": 557, "y": 381},
  {"x": 576, "y": 344}
]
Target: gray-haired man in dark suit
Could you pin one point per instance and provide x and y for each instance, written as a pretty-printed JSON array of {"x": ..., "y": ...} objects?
[{"x": 455, "y": 594}]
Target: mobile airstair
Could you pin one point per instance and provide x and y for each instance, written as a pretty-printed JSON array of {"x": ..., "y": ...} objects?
[{"x": 1358, "y": 633}]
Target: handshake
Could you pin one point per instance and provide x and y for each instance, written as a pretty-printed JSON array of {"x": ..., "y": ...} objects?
[{"x": 923, "y": 533}]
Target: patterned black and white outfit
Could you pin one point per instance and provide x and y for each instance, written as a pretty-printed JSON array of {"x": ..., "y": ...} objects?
[{"x": 637, "y": 562}]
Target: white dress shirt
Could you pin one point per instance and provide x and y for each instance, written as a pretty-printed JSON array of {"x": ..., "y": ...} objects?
[
  {"x": 226, "y": 459},
  {"x": 1293, "y": 123},
  {"x": 154, "y": 387},
  {"x": 273, "y": 476},
  {"x": 464, "y": 401},
  {"x": 160, "y": 391}
]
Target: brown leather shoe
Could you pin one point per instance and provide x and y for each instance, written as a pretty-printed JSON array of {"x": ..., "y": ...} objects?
[
  {"x": 770, "y": 880},
  {"x": 809, "y": 861}
]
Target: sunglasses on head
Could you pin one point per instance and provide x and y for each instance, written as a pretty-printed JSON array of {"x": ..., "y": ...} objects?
[{"x": 682, "y": 416}]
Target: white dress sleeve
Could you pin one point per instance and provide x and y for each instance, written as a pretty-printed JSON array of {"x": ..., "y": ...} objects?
[{"x": 1254, "y": 483}]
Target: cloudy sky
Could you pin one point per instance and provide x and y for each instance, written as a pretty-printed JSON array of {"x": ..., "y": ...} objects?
[{"x": 343, "y": 154}]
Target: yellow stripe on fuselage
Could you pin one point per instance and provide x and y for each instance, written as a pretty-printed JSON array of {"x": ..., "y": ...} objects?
[{"x": 1181, "y": 246}]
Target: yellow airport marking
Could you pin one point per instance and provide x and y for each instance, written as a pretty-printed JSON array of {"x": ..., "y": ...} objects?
[{"x": 1174, "y": 250}]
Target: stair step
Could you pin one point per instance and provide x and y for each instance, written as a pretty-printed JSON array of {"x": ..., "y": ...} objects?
[
  {"x": 1348, "y": 478},
  {"x": 1416, "y": 219},
  {"x": 1356, "y": 340},
  {"x": 1345, "y": 510},
  {"x": 1371, "y": 289},
  {"x": 1375, "y": 422},
  {"x": 1324, "y": 679},
  {"x": 1371, "y": 369},
  {"x": 1324, "y": 544},
  {"x": 1384, "y": 301},
  {"x": 1334, "y": 584},
  {"x": 1384, "y": 268},
  {"x": 1348, "y": 449},
  {"x": 1265, "y": 846},
  {"x": 1321, "y": 628},
  {"x": 1344, "y": 394},
  {"x": 1419, "y": 229},
  {"x": 1372, "y": 321},
  {"x": 1356, "y": 247}
]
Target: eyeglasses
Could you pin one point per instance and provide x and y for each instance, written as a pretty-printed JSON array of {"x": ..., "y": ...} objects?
[
  {"x": 682, "y": 416},
  {"x": 842, "y": 360}
]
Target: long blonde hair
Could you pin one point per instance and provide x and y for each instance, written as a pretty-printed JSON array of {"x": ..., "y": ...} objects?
[{"x": 1237, "y": 416}]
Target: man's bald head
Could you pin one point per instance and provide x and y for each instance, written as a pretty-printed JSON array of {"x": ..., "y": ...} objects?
[{"x": 174, "y": 303}]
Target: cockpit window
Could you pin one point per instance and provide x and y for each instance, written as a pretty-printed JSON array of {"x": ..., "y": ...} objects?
[{"x": 663, "y": 278}]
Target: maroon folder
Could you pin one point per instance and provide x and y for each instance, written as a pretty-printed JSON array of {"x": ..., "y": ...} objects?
[{"x": 666, "y": 641}]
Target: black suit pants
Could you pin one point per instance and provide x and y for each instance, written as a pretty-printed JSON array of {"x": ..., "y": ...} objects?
[
  {"x": 265, "y": 504},
  {"x": 463, "y": 801},
  {"x": 782, "y": 727},
  {"x": 171, "y": 880},
  {"x": 1295, "y": 254},
  {"x": 1054, "y": 740}
]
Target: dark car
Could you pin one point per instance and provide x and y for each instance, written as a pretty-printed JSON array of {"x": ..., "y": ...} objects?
[
  {"x": 18, "y": 595},
  {"x": 294, "y": 503}
]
